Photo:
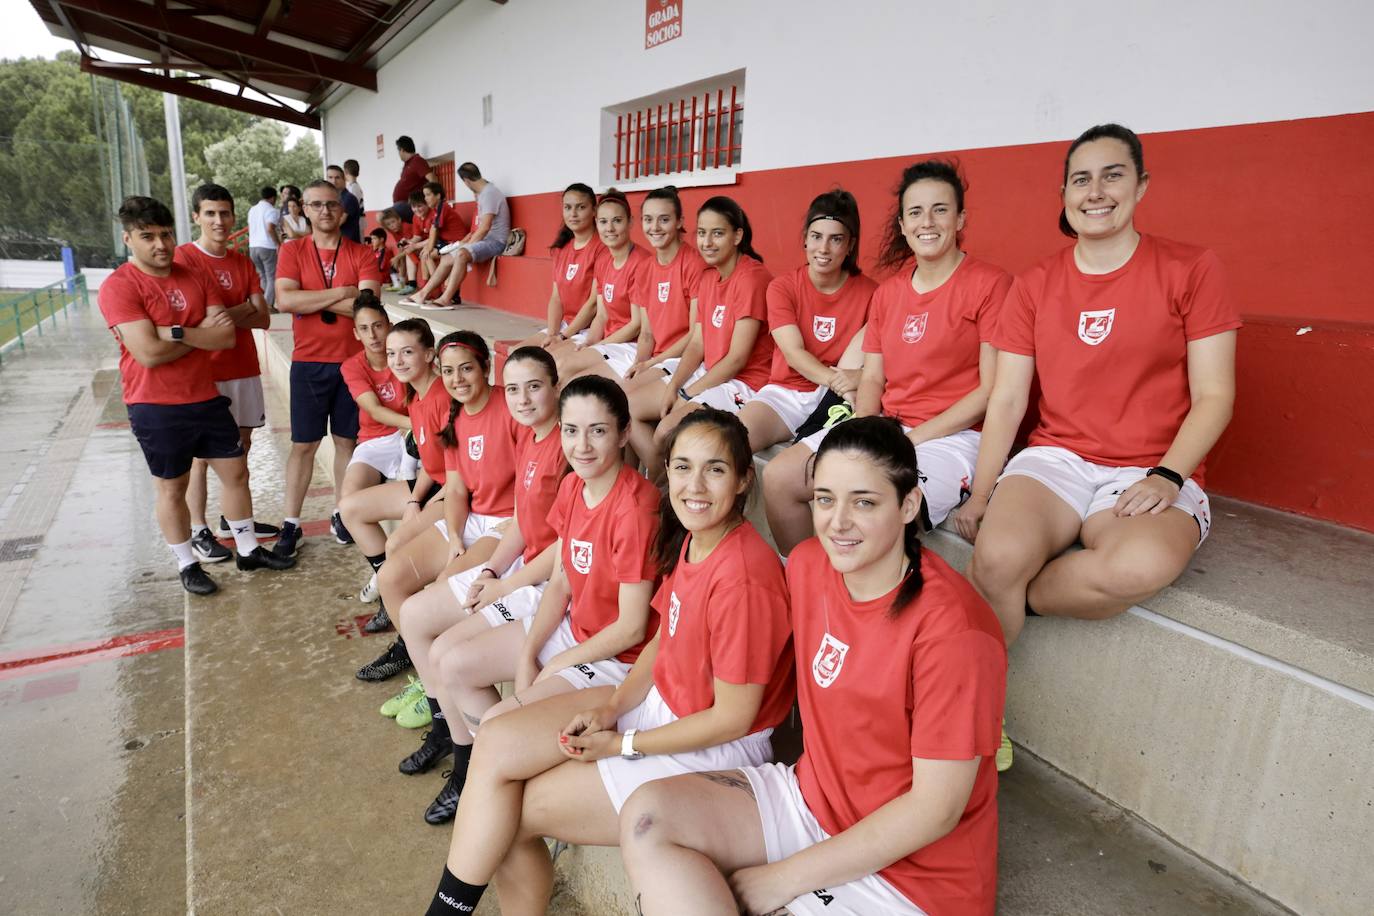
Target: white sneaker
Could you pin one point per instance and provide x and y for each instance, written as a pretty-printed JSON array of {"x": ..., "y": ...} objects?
[
  {"x": 450, "y": 248},
  {"x": 369, "y": 592}
]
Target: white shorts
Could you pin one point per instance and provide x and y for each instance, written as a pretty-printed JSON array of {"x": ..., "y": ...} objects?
[
  {"x": 731, "y": 396},
  {"x": 621, "y": 777},
  {"x": 619, "y": 356},
  {"x": 792, "y": 407},
  {"x": 670, "y": 366},
  {"x": 580, "y": 337},
  {"x": 1092, "y": 488},
  {"x": 409, "y": 468},
  {"x": 385, "y": 454},
  {"x": 608, "y": 672},
  {"x": 478, "y": 526},
  {"x": 518, "y": 605},
  {"x": 246, "y": 402},
  {"x": 789, "y": 827},
  {"x": 946, "y": 468}
]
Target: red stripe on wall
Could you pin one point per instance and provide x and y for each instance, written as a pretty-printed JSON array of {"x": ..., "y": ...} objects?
[{"x": 24, "y": 664}]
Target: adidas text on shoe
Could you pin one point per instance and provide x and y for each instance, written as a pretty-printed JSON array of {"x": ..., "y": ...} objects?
[
  {"x": 207, "y": 549},
  {"x": 196, "y": 581}
]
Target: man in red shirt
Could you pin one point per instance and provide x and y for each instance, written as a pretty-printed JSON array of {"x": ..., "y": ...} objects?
[
  {"x": 318, "y": 278},
  {"x": 167, "y": 319},
  {"x": 235, "y": 370},
  {"x": 415, "y": 171}
]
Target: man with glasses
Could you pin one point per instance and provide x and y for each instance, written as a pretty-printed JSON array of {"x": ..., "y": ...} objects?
[{"x": 318, "y": 278}]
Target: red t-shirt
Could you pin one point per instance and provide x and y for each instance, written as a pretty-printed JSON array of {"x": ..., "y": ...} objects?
[
  {"x": 720, "y": 304},
  {"x": 485, "y": 456},
  {"x": 424, "y": 223},
  {"x": 541, "y": 466},
  {"x": 930, "y": 341},
  {"x": 619, "y": 286},
  {"x": 574, "y": 274},
  {"x": 666, "y": 293},
  {"x": 1111, "y": 350},
  {"x": 428, "y": 415},
  {"x": 604, "y": 547},
  {"x": 726, "y": 617},
  {"x": 360, "y": 378},
  {"x": 237, "y": 279},
  {"x": 412, "y": 179},
  {"x": 452, "y": 226},
  {"x": 182, "y": 297},
  {"x": 313, "y": 268},
  {"x": 875, "y": 692},
  {"x": 827, "y": 321}
]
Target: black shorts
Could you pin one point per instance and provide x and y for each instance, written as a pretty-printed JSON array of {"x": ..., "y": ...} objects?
[
  {"x": 320, "y": 403},
  {"x": 173, "y": 434}
]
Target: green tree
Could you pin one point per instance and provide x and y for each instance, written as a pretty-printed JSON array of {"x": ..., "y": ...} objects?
[{"x": 247, "y": 161}]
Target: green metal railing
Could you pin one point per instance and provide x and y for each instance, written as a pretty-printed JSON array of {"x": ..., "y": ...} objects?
[{"x": 25, "y": 313}]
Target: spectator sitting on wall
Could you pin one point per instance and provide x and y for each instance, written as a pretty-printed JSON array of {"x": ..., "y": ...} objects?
[
  {"x": 401, "y": 269},
  {"x": 294, "y": 223},
  {"x": 353, "y": 210},
  {"x": 420, "y": 225},
  {"x": 486, "y": 240},
  {"x": 381, "y": 244},
  {"x": 415, "y": 171},
  {"x": 264, "y": 235}
]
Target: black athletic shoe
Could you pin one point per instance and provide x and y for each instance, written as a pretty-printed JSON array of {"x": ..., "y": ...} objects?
[
  {"x": 196, "y": 581},
  {"x": 431, "y": 752},
  {"x": 445, "y": 804},
  {"x": 261, "y": 529},
  {"x": 389, "y": 664},
  {"x": 286, "y": 541},
  {"x": 207, "y": 549},
  {"x": 262, "y": 558},
  {"x": 379, "y": 621},
  {"x": 341, "y": 534}
]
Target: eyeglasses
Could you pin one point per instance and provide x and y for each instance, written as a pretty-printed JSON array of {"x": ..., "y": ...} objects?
[{"x": 323, "y": 205}]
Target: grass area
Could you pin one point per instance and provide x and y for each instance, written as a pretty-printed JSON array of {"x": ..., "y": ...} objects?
[{"x": 8, "y": 301}]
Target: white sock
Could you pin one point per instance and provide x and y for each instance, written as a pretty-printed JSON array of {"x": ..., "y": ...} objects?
[
  {"x": 197, "y": 529},
  {"x": 183, "y": 554},
  {"x": 295, "y": 520},
  {"x": 245, "y": 537}
]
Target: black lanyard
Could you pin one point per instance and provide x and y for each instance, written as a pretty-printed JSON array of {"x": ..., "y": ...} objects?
[{"x": 328, "y": 278}]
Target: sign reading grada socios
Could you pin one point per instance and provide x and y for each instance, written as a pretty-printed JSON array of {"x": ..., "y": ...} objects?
[{"x": 662, "y": 21}]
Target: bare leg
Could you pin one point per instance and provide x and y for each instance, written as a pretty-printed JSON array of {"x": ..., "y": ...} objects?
[
  {"x": 432, "y": 283},
  {"x": 343, "y": 453},
  {"x": 300, "y": 468},
  {"x": 196, "y": 493},
  {"x": 234, "y": 497},
  {"x": 173, "y": 518},
  {"x": 411, "y": 528},
  {"x": 465, "y": 664},
  {"x": 460, "y": 261},
  {"x": 586, "y": 362},
  {"x": 1026, "y": 525},
  {"x": 646, "y": 398},
  {"x": 364, "y": 506},
  {"x": 787, "y": 497},
  {"x": 419, "y": 563},
  {"x": 765, "y": 426}
]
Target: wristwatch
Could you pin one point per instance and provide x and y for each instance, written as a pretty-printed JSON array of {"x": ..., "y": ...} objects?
[
  {"x": 627, "y": 745},
  {"x": 178, "y": 332}
]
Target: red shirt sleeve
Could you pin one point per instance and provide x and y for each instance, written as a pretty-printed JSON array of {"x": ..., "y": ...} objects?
[
  {"x": 958, "y": 688},
  {"x": 693, "y": 271},
  {"x": 782, "y": 302},
  {"x": 1016, "y": 324},
  {"x": 355, "y": 377},
  {"x": 988, "y": 308},
  {"x": 632, "y": 543},
  {"x": 120, "y": 302},
  {"x": 562, "y": 504},
  {"x": 877, "y": 315},
  {"x": 749, "y": 626},
  {"x": 366, "y": 264},
  {"x": 289, "y": 261},
  {"x": 1206, "y": 305},
  {"x": 210, "y": 290},
  {"x": 756, "y": 297}
]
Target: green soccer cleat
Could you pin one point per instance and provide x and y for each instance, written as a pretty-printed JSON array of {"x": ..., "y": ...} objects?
[
  {"x": 409, "y": 694},
  {"x": 1003, "y": 758},
  {"x": 416, "y": 715}
]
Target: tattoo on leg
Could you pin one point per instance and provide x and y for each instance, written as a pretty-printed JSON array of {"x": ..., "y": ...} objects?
[
  {"x": 730, "y": 779},
  {"x": 472, "y": 721}
]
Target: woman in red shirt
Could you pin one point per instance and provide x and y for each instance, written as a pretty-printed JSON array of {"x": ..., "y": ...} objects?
[
  {"x": 815, "y": 316},
  {"x": 381, "y": 400},
  {"x": 928, "y": 356},
  {"x": 613, "y": 338},
  {"x": 572, "y": 303},
  {"x": 704, "y": 694},
  {"x": 729, "y": 352},
  {"x": 1132, "y": 339},
  {"x": 901, "y": 673}
]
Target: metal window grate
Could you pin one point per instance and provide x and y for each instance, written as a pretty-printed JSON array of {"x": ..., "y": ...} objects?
[{"x": 689, "y": 135}]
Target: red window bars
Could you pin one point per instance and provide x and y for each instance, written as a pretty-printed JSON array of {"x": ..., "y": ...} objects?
[
  {"x": 444, "y": 171},
  {"x": 701, "y": 134}
]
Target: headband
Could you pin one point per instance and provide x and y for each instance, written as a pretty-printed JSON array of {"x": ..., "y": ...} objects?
[
  {"x": 839, "y": 219},
  {"x": 458, "y": 343}
]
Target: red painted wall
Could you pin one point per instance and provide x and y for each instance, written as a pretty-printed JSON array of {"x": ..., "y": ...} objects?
[{"x": 1289, "y": 207}]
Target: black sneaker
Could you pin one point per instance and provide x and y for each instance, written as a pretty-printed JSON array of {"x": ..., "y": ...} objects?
[
  {"x": 389, "y": 664},
  {"x": 262, "y": 558},
  {"x": 431, "y": 751},
  {"x": 379, "y": 621},
  {"x": 445, "y": 804},
  {"x": 261, "y": 529},
  {"x": 196, "y": 581},
  {"x": 207, "y": 549},
  {"x": 341, "y": 534},
  {"x": 286, "y": 541}
]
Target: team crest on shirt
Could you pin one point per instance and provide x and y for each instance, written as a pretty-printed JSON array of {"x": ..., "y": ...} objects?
[
  {"x": 581, "y": 555},
  {"x": 664, "y": 289},
  {"x": 1093, "y": 327},
  {"x": 386, "y": 391},
  {"x": 422, "y": 435},
  {"x": 608, "y": 291},
  {"x": 475, "y": 447},
  {"x": 674, "y": 608},
  {"x": 718, "y": 316},
  {"x": 825, "y": 667},
  {"x": 529, "y": 473},
  {"x": 572, "y": 271},
  {"x": 328, "y": 271},
  {"x": 224, "y": 279},
  {"x": 915, "y": 327},
  {"x": 176, "y": 300},
  {"x": 823, "y": 328}
]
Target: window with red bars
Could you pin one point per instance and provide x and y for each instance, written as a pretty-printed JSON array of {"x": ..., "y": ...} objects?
[
  {"x": 445, "y": 172},
  {"x": 683, "y": 133}
]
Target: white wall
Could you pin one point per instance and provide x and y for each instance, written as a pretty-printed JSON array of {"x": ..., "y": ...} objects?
[
  {"x": 831, "y": 80},
  {"x": 36, "y": 274}
]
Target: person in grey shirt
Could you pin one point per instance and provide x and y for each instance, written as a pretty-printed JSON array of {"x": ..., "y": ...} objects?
[
  {"x": 264, "y": 235},
  {"x": 487, "y": 239}
]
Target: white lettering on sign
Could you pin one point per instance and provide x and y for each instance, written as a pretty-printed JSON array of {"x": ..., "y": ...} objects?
[{"x": 662, "y": 21}]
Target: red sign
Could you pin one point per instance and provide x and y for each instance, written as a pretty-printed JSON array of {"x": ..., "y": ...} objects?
[
  {"x": 662, "y": 21},
  {"x": 381, "y": 147}
]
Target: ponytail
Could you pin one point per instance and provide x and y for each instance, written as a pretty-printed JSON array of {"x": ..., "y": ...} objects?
[{"x": 473, "y": 343}]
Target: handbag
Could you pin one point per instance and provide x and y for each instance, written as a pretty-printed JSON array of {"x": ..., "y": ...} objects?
[{"x": 515, "y": 246}]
